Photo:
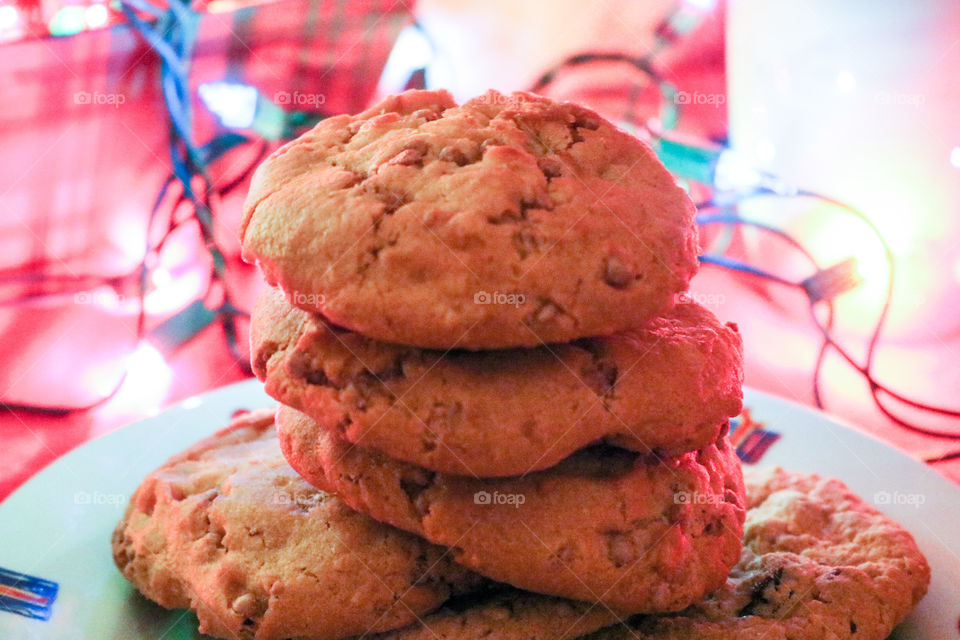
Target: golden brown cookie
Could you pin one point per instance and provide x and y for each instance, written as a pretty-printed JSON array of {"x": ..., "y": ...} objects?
[
  {"x": 508, "y": 221},
  {"x": 229, "y": 530},
  {"x": 605, "y": 525},
  {"x": 818, "y": 562},
  {"x": 506, "y": 614},
  {"x": 664, "y": 389}
]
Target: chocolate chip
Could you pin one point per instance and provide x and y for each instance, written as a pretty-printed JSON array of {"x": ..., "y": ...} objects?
[
  {"x": 551, "y": 167},
  {"x": 452, "y": 154},
  {"x": 414, "y": 488},
  {"x": 300, "y": 364},
  {"x": 600, "y": 377},
  {"x": 540, "y": 201},
  {"x": 587, "y": 121},
  {"x": 758, "y": 592},
  {"x": 262, "y": 357},
  {"x": 393, "y": 201},
  {"x": 615, "y": 273},
  {"x": 525, "y": 242}
]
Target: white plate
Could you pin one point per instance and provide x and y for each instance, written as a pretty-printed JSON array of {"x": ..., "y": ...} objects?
[{"x": 57, "y": 526}]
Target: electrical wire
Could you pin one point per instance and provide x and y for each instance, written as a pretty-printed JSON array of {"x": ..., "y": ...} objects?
[
  {"x": 880, "y": 393},
  {"x": 829, "y": 341},
  {"x": 171, "y": 33}
]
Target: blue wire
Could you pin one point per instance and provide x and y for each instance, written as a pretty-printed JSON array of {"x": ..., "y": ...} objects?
[{"x": 744, "y": 267}]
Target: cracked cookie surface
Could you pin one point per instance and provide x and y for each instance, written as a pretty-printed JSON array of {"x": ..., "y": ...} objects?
[
  {"x": 228, "y": 529},
  {"x": 508, "y": 221},
  {"x": 604, "y": 525},
  {"x": 506, "y": 614},
  {"x": 664, "y": 389},
  {"x": 818, "y": 562}
]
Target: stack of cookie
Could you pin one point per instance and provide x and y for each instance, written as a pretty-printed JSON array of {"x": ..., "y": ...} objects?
[
  {"x": 495, "y": 407},
  {"x": 474, "y": 335}
]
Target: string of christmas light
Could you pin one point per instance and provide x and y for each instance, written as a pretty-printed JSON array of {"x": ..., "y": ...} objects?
[
  {"x": 172, "y": 33},
  {"x": 731, "y": 182}
]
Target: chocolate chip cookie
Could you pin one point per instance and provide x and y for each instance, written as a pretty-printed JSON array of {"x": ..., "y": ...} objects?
[
  {"x": 229, "y": 530},
  {"x": 503, "y": 613},
  {"x": 509, "y": 221},
  {"x": 605, "y": 525},
  {"x": 664, "y": 389},
  {"x": 818, "y": 562}
]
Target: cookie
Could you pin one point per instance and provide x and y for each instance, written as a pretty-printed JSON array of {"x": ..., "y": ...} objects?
[
  {"x": 664, "y": 389},
  {"x": 605, "y": 525},
  {"x": 506, "y": 614},
  {"x": 818, "y": 562},
  {"x": 229, "y": 530},
  {"x": 509, "y": 221}
]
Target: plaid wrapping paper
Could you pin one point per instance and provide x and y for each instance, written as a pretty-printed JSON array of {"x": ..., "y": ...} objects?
[{"x": 83, "y": 130}]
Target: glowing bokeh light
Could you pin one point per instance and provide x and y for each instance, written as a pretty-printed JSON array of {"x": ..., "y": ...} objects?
[
  {"x": 846, "y": 82},
  {"x": 178, "y": 276},
  {"x": 765, "y": 151},
  {"x": 9, "y": 17},
  {"x": 147, "y": 381},
  {"x": 832, "y": 237},
  {"x": 100, "y": 378},
  {"x": 97, "y": 16},
  {"x": 701, "y": 5},
  {"x": 125, "y": 235},
  {"x": 735, "y": 173},
  {"x": 68, "y": 21},
  {"x": 144, "y": 387},
  {"x": 160, "y": 277},
  {"x": 233, "y": 103},
  {"x": 175, "y": 293},
  {"x": 955, "y": 157}
]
